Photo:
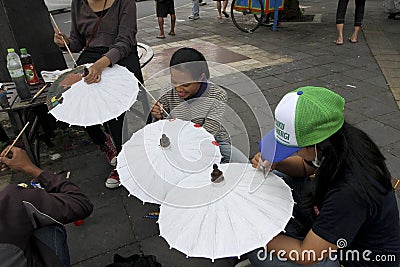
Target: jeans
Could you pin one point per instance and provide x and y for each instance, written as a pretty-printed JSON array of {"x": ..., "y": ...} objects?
[
  {"x": 303, "y": 190},
  {"x": 230, "y": 153},
  {"x": 55, "y": 238},
  {"x": 195, "y": 8},
  {"x": 359, "y": 12}
]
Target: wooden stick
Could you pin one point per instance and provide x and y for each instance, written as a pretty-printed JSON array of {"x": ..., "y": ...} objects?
[
  {"x": 38, "y": 93},
  {"x": 65, "y": 42},
  {"x": 16, "y": 139},
  {"x": 147, "y": 91},
  {"x": 396, "y": 185}
]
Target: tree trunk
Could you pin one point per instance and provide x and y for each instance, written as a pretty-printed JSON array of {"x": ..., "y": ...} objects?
[{"x": 292, "y": 10}]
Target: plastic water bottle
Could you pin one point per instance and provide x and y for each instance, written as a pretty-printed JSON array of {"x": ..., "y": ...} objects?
[
  {"x": 28, "y": 67},
  {"x": 14, "y": 67}
]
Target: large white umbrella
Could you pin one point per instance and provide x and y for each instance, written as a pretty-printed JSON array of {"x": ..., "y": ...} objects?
[
  {"x": 217, "y": 220},
  {"x": 149, "y": 170},
  {"x": 70, "y": 99}
]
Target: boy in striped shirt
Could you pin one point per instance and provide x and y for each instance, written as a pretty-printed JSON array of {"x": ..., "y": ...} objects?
[{"x": 193, "y": 98}]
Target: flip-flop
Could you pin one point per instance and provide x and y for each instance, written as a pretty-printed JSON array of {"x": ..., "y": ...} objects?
[
  {"x": 337, "y": 43},
  {"x": 225, "y": 14},
  {"x": 171, "y": 33},
  {"x": 219, "y": 17},
  {"x": 160, "y": 37},
  {"x": 351, "y": 41}
]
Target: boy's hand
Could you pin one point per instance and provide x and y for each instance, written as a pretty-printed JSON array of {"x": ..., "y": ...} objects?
[
  {"x": 157, "y": 110},
  {"x": 18, "y": 160}
]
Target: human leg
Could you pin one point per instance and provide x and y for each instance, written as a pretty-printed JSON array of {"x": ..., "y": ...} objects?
[
  {"x": 195, "y": 10},
  {"x": 224, "y": 9},
  {"x": 359, "y": 15},
  {"x": 104, "y": 142},
  {"x": 161, "y": 26},
  {"x": 219, "y": 9},
  {"x": 173, "y": 21},
  {"x": 55, "y": 238},
  {"x": 340, "y": 15}
]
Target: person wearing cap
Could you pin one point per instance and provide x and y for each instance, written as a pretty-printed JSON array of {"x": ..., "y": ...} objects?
[{"x": 355, "y": 205}]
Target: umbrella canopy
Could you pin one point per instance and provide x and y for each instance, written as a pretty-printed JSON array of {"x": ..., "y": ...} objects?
[
  {"x": 70, "y": 99},
  {"x": 218, "y": 220},
  {"x": 149, "y": 164}
]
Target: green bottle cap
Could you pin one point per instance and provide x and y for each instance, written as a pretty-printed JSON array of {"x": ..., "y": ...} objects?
[
  {"x": 23, "y": 51},
  {"x": 10, "y": 50}
]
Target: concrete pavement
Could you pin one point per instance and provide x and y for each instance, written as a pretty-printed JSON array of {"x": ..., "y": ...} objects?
[{"x": 367, "y": 74}]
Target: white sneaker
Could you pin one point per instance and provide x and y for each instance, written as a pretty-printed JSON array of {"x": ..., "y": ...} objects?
[{"x": 113, "y": 180}]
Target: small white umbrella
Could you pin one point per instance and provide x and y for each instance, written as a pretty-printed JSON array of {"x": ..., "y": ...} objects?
[
  {"x": 148, "y": 170},
  {"x": 70, "y": 99},
  {"x": 217, "y": 220}
]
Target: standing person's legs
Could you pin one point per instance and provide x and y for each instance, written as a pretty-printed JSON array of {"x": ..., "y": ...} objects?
[
  {"x": 359, "y": 15},
  {"x": 340, "y": 15},
  {"x": 161, "y": 26},
  {"x": 219, "y": 9},
  {"x": 195, "y": 10},
  {"x": 224, "y": 9},
  {"x": 55, "y": 238},
  {"x": 173, "y": 21},
  {"x": 171, "y": 12}
]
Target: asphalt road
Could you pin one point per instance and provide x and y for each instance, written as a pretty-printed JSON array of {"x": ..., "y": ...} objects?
[{"x": 144, "y": 8}]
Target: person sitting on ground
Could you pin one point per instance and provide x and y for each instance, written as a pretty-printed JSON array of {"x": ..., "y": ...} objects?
[
  {"x": 355, "y": 205},
  {"x": 193, "y": 98},
  {"x": 31, "y": 223},
  {"x": 163, "y": 8}
]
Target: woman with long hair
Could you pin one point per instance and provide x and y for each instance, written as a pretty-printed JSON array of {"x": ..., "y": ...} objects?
[{"x": 356, "y": 218}]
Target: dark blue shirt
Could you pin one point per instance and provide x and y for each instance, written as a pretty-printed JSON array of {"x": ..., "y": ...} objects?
[{"x": 200, "y": 92}]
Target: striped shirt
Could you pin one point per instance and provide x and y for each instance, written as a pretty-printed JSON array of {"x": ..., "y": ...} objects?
[{"x": 206, "y": 110}]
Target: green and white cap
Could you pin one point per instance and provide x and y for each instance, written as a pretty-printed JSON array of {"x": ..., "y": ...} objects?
[{"x": 303, "y": 117}]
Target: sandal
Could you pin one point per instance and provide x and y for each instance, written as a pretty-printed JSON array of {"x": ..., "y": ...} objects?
[
  {"x": 161, "y": 37},
  {"x": 351, "y": 41},
  {"x": 171, "y": 33},
  {"x": 225, "y": 14},
  {"x": 337, "y": 42}
]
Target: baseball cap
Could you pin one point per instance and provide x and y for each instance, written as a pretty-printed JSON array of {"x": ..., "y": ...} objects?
[{"x": 303, "y": 117}]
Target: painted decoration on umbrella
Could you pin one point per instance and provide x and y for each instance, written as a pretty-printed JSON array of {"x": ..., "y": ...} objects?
[{"x": 62, "y": 84}]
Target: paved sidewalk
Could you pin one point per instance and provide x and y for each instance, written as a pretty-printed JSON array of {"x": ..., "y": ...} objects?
[{"x": 298, "y": 54}]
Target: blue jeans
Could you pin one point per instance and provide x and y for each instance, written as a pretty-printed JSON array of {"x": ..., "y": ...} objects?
[
  {"x": 303, "y": 190},
  {"x": 230, "y": 153},
  {"x": 195, "y": 8},
  {"x": 55, "y": 238}
]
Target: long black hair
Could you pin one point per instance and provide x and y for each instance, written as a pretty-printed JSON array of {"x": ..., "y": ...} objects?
[{"x": 352, "y": 150}]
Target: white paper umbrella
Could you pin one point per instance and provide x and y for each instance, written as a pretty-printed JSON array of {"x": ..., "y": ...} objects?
[
  {"x": 225, "y": 220},
  {"x": 90, "y": 104},
  {"x": 149, "y": 170}
]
